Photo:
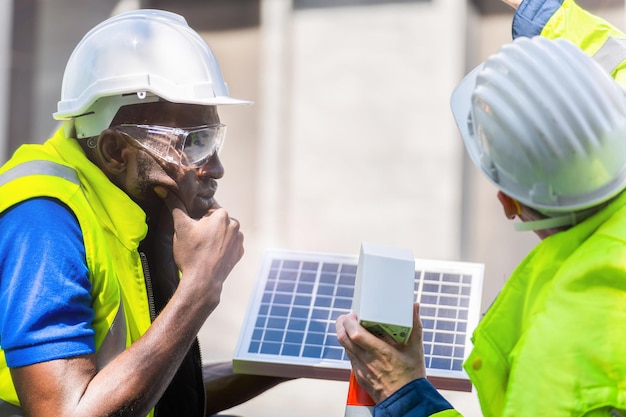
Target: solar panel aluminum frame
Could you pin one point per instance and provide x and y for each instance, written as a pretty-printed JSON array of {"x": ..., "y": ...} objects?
[{"x": 252, "y": 360}]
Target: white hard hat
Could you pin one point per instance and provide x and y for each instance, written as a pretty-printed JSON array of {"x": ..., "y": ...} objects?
[
  {"x": 137, "y": 57},
  {"x": 546, "y": 124}
]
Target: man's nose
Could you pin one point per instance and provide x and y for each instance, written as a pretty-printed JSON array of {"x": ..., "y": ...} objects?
[{"x": 212, "y": 168}]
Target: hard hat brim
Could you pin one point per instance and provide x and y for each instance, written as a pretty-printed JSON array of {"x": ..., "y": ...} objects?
[
  {"x": 462, "y": 103},
  {"x": 67, "y": 110},
  {"x": 461, "y": 106},
  {"x": 91, "y": 121}
]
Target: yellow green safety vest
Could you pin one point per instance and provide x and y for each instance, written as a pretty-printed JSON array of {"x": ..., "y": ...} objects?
[
  {"x": 112, "y": 226},
  {"x": 554, "y": 341},
  {"x": 594, "y": 35},
  {"x": 571, "y": 281}
]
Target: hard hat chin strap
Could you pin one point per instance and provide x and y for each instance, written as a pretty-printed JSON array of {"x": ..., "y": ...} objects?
[
  {"x": 547, "y": 223},
  {"x": 559, "y": 220}
]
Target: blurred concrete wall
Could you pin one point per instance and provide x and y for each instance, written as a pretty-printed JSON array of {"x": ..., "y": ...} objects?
[
  {"x": 350, "y": 140},
  {"x": 6, "y": 23}
]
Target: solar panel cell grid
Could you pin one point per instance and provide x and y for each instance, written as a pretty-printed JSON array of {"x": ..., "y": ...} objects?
[
  {"x": 291, "y": 318},
  {"x": 444, "y": 304}
]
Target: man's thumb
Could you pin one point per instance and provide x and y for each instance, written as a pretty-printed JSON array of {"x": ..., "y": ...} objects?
[
  {"x": 160, "y": 191},
  {"x": 171, "y": 200}
]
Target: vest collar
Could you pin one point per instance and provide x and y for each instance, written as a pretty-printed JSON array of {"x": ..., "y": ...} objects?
[{"x": 115, "y": 209}]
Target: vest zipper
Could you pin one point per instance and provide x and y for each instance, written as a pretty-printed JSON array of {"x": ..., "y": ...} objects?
[
  {"x": 149, "y": 291},
  {"x": 148, "y": 280},
  {"x": 201, "y": 372}
]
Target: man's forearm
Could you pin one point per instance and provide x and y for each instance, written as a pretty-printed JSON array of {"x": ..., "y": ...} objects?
[
  {"x": 132, "y": 383},
  {"x": 225, "y": 389}
]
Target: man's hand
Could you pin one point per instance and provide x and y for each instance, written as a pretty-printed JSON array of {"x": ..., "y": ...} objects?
[
  {"x": 206, "y": 249},
  {"x": 380, "y": 368},
  {"x": 513, "y": 3}
]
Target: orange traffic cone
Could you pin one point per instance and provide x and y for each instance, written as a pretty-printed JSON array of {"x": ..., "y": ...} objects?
[{"x": 359, "y": 403}]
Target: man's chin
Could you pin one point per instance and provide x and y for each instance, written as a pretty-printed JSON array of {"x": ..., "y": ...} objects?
[{"x": 201, "y": 207}]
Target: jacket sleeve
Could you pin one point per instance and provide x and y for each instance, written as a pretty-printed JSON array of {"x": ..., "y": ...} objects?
[
  {"x": 565, "y": 19},
  {"x": 416, "y": 399}
]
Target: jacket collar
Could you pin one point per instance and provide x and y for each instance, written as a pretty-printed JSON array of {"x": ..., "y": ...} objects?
[{"x": 115, "y": 209}]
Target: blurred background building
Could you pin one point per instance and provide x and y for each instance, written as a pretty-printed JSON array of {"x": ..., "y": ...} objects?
[{"x": 351, "y": 138}]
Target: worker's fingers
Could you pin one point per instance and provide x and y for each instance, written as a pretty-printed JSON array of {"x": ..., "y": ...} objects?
[
  {"x": 380, "y": 367},
  {"x": 416, "y": 333},
  {"x": 175, "y": 205},
  {"x": 216, "y": 206},
  {"x": 340, "y": 327},
  {"x": 513, "y": 3},
  {"x": 355, "y": 337}
]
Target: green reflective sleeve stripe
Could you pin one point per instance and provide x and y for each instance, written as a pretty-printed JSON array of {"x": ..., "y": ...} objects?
[
  {"x": 612, "y": 54},
  {"x": 594, "y": 35}
]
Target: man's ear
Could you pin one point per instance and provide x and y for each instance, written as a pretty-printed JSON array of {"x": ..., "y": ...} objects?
[
  {"x": 511, "y": 207},
  {"x": 113, "y": 150}
]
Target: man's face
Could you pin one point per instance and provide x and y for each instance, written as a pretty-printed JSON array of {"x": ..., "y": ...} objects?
[{"x": 194, "y": 186}]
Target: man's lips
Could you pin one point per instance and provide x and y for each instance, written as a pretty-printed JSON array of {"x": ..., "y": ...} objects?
[
  {"x": 208, "y": 192},
  {"x": 205, "y": 200}
]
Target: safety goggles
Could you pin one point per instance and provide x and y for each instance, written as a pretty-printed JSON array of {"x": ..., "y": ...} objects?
[{"x": 187, "y": 147}]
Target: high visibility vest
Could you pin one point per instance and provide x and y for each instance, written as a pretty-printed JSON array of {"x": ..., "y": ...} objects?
[
  {"x": 562, "y": 308},
  {"x": 112, "y": 226},
  {"x": 594, "y": 35},
  {"x": 554, "y": 341}
]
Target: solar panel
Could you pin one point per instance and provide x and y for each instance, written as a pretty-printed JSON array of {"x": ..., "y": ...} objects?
[{"x": 289, "y": 327}]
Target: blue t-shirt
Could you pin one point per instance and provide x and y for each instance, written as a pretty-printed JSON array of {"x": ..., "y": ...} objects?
[{"x": 45, "y": 300}]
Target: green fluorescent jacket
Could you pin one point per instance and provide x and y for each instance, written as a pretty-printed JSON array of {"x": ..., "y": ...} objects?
[{"x": 554, "y": 342}]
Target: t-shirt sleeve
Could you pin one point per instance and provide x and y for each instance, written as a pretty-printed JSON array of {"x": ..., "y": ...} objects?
[{"x": 45, "y": 292}]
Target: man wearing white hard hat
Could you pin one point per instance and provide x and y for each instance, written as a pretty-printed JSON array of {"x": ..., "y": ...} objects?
[
  {"x": 113, "y": 250},
  {"x": 546, "y": 124}
]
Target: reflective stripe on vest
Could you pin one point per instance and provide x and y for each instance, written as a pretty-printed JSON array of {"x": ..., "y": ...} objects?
[
  {"x": 114, "y": 342},
  {"x": 39, "y": 168},
  {"x": 611, "y": 54}
]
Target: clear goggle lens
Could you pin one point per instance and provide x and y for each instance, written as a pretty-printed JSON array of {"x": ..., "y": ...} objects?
[{"x": 187, "y": 147}]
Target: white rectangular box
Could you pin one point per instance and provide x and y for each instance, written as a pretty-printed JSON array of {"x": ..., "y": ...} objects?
[{"x": 383, "y": 294}]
